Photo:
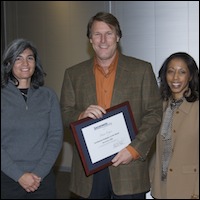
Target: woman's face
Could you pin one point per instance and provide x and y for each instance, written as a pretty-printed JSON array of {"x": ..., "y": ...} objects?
[
  {"x": 24, "y": 66},
  {"x": 178, "y": 77}
]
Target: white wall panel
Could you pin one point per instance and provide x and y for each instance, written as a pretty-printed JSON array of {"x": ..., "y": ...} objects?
[
  {"x": 152, "y": 30},
  {"x": 137, "y": 21},
  {"x": 171, "y": 29},
  {"x": 193, "y": 29}
]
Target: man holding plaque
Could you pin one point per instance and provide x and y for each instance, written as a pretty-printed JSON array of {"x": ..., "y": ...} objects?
[{"x": 95, "y": 85}]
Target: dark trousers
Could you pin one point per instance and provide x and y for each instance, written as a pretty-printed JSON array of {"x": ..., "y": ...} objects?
[
  {"x": 13, "y": 190},
  {"x": 102, "y": 188}
]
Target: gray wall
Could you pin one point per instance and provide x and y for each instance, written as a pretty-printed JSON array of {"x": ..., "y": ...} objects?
[{"x": 152, "y": 30}]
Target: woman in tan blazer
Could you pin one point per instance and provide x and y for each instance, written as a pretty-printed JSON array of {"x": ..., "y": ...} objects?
[{"x": 174, "y": 168}]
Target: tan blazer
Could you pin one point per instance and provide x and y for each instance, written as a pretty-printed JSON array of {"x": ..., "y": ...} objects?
[
  {"x": 183, "y": 171},
  {"x": 135, "y": 82}
]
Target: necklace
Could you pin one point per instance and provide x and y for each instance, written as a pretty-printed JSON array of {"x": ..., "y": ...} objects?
[
  {"x": 24, "y": 93},
  {"x": 176, "y": 102}
]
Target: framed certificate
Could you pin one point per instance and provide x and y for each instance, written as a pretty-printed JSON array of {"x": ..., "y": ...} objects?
[{"x": 99, "y": 140}]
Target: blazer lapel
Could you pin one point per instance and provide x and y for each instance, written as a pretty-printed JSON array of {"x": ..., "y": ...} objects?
[{"x": 120, "y": 80}]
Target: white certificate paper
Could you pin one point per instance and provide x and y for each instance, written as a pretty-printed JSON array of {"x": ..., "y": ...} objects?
[{"x": 106, "y": 137}]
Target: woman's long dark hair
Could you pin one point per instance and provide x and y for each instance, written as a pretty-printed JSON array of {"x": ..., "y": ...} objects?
[
  {"x": 14, "y": 49},
  {"x": 193, "y": 94}
]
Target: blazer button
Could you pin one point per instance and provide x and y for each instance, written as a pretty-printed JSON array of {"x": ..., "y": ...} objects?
[{"x": 171, "y": 170}]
